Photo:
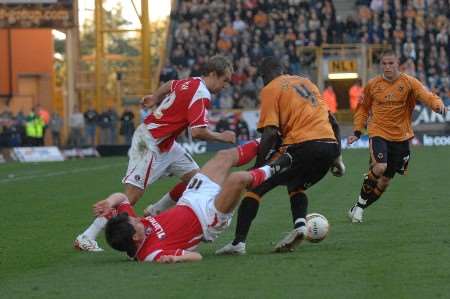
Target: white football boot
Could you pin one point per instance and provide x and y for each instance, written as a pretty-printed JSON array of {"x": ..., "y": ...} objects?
[
  {"x": 230, "y": 249},
  {"x": 355, "y": 214},
  {"x": 292, "y": 240},
  {"x": 82, "y": 243}
]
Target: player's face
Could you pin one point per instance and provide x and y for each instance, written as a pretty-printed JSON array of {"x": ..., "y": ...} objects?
[
  {"x": 139, "y": 235},
  {"x": 220, "y": 81},
  {"x": 390, "y": 66}
]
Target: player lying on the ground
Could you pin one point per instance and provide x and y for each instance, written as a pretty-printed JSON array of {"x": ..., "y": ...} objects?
[
  {"x": 386, "y": 109},
  {"x": 204, "y": 210},
  {"x": 293, "y": 106},
  {"x": 181, "y": 104}
]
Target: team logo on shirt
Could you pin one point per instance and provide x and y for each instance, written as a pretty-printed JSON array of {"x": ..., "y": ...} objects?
[
  {"x": 137, "y": 177},
  {"x": 400, "y": 88},
  {"x": 380, "y": 156}
]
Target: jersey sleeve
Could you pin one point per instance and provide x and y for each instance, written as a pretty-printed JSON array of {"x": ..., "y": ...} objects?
[
  {"x": 421, "y": 93},
  {"x": 198, "y": 113},
  {"x": 270, "y": 110},
  {"x": 362, "y": 111}
]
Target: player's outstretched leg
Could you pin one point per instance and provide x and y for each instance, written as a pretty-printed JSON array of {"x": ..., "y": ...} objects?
[
  {"x": 372, "y": 189},
  {"x": 299, "y": 207},
  {"x": 86, "y": 240},
  {"x": 249, "y": 208}
]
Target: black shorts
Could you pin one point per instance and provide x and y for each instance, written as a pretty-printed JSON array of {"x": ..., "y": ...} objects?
[
  {"x": 395, "y": 153},
  {"x": 311, "y": 162}
]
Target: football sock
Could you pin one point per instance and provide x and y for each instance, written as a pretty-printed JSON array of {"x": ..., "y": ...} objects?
[
  {"x": 246, "y": 213},
  {"x": 95, "y": 228},
  {"x": 374, "y": 196},
  {"x": 369, "y": 183},
  {"x": 171, "y": 198},
  {"x": 247, "y": 152},
  {"x": 164, "y": 203},
  {"x": 299, "y": 207},
  {"x": 259, "y": 175},
  {"x": 177, "y": 191}
]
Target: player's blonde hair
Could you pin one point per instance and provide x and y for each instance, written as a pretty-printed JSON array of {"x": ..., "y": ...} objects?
[{"x": 218, "y": 64}]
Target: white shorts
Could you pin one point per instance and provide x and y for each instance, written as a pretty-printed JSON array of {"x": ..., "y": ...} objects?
[
  {"x": 200, "y": 196},
  {"x": 147, "y": 164}
]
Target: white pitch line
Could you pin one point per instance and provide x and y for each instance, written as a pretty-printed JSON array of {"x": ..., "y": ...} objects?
[{"x": 58, "y": 173}]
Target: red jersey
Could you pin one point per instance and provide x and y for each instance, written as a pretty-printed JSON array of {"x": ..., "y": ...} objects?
[
  {"x": 169, "y": 233},
  {"x": 185, "y": 106}
]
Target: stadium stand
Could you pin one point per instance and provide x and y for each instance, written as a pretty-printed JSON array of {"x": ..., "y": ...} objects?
[{"x": 246, "y": 30}]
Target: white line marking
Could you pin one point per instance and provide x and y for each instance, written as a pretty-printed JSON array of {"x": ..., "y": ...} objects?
[{"x": 58, "y": 173}]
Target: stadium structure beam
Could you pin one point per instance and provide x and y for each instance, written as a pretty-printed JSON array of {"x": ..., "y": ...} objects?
[
  {"x": 99, "y": 55},
  {"x": 145, "y": 40}
]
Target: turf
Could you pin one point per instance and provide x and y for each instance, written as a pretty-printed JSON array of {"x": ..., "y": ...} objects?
[{"x": 402, "y": 250}]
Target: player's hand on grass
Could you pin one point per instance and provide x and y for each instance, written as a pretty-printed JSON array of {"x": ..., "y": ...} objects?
[
  {"x": 229, "y": 136},
  {"x": 149, "y": 101},
  {"x": 167, "y": 259},
  {"x": 102, "y": 208}
]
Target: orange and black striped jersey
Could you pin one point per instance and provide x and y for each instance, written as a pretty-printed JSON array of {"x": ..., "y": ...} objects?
[
  {"x": 295, "y": 106},
  {"x": 387, "y": 107}
]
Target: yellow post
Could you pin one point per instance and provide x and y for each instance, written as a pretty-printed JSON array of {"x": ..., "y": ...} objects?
[
  {"x": 99, "y": 55},
  {"x": 145, "y": 39}
]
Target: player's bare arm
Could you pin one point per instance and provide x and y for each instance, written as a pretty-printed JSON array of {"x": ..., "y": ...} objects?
[
  {"x": 103, "y": 207},
  {"x": 269, "y": 140},
  {"x": 151, "y": 100},
  {"x": 188, "y": 256},
  {"x": 206, "y": 134}
]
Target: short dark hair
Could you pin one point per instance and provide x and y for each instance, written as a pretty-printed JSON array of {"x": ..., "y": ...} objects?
[
  {"x": 218, "y": 64},
  {"x": 119, "y": 234},
  {"x": 270, "y": 67}
]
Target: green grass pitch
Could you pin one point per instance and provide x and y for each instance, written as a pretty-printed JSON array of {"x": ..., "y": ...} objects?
[{"x": 402, "y": 250}]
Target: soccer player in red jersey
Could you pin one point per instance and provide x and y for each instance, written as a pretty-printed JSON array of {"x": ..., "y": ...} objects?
[
  {"x": 202, "y": 213},
  {"x": 178, "y": 105}
]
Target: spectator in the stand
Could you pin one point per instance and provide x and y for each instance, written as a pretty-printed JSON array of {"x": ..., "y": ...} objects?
[
  {"x": 355, "y": 94},
  {"x": 34, "y": 128},
  {"x": 21, "y": 121},
  {"x": 45, "y": 116},
  {"x": 241, "y": 128},
  {"x": 90, "y": 118},
  {"x": 330, "y": 97},
  {"x": 55, "y": 126},
  {"x": 114, "y": 117},
  {"x": 127, "y": 125},
  {"x": 223, "y": 124},
  {"x": 6, "y": 119},
  {"x": 104, "y": 122},
  {"x": 76, "y": 126},
  {"x": 168, "y": 73}
]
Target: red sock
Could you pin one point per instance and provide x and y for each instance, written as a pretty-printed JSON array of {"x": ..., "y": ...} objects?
[
  {"x": 247, "y": 152},
  {"x": 258, "y": 176},
  {"x": 177, "y": 191}
]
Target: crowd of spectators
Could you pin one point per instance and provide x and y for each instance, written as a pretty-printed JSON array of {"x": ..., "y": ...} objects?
[
  {"x": 85, "y": 129},
  {"x": 246, "y": 30}
]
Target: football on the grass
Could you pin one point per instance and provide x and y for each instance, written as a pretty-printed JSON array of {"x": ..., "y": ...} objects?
[{"x": 317, "y": 227}]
